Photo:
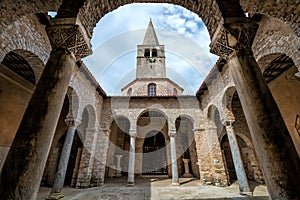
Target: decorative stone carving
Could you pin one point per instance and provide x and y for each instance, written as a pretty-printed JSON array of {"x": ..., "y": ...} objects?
[
  {"x": 228, "y": 122},
  {"x": 71, "y": 122},
  {"x": 236, "y": 34},
  {"x": 132, "y": 133},
  {"x": 71, "y": 35},
  {"x": 172, "y": 132}
]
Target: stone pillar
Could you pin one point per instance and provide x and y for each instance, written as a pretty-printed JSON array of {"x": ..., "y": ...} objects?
[
  {"x": 202, "y": 153},
  {"x": 101, "y": 156},
  {"x": 23, "y": 168},
  {"x": 118, "y": 169},
  {"x": 87, "y": 159},
  {"x": 175, "y": 179},
  {"x": 130, "y": 181},
  {"x": 277, "y": 155},
  {"x": 63, "y": 162},
  {"x": 237, "y": 160},
  {"x": 187, "y": 173}
]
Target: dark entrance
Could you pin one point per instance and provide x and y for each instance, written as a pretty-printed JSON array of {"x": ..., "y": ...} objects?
[
  {"x": 154, "y": 154},
  {"x": 228, "y": 158}
]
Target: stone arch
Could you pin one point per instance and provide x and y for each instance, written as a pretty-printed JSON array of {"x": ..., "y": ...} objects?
[
  {"x": 273, "y": 65},
  {"x": 153, "y": 110},
  {"x": 227, "y": 103},
  {"x": 116, "y": 118},
  {"x": 92, "y": 116},
  {"x": 25, "y": 64},
  {"x": 119, "y": 146},
  {"x": 186, "y": 146},
  {"x": 275, "y": 9},
  {"x": 208, "y": 10},
  {"x": 213, "y": 115},
  {"x": 34, "y": 41},
  {"x": 276, "y": 37}
]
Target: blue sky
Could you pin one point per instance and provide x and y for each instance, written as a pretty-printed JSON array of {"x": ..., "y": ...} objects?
[{"x": 118, "y": 33}]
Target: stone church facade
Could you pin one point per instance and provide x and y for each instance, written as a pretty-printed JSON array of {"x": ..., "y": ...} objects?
[{"x": 60, "y": 127}]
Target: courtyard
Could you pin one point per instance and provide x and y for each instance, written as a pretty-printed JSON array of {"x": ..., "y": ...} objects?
[{"x": 158, "y": 188}]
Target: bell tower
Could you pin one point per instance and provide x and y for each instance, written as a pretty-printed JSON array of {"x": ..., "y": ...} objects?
[{"x": 150, "y": 56}]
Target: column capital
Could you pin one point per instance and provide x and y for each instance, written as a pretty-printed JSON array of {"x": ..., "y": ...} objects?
[
  {"x": 132, "y": 133},
  {"x": 68, "y": 33},
  {"x": 233, "y": 36},
  {"x": 172, "y": 132},
  {"x": 228, "y": 122},
  {"x": 71, "y": 122}
]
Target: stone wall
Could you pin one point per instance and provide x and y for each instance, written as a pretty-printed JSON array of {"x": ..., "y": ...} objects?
[{"x": 164, "y": 87}]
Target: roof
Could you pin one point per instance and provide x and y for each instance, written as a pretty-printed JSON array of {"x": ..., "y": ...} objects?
[
  {"x": 151, "y": 79},
  {"x": 150, "y": 36},
  {"x": 211, "y": 76},
  {"x": 91, "y": 78}
]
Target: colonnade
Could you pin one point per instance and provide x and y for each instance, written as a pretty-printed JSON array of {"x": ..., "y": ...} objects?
[{"x": 22, "y": 171}]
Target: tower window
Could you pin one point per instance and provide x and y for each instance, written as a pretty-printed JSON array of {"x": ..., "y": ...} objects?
[
  {"x": 152, "y": 89},
  {"x": 154, "y": 52},
  {"x": 147, "y": 53},
  {"x": 129, "y": 91},
  {"x": 175, "y": 92}
]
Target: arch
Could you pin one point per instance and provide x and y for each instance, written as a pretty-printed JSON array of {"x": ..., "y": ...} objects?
[
  {"x": 117, "y": 119},
  {"x": 119, "y": 145},
  {"x": 213, "y": 115},
  {"x": 19, "y": 65},
  {"x": 227, "y": 102},
  {"x": 175, "y": 92},
  {"x": 89, "y": 16},
  {"x": 186, "y": 146},
  {"x": 273, "y": 65},
  {"x": 152, "y": 110},
  {"x": 274, "y": 9},
  {"x": 91, "y": 121},
  {"x": 129, "y": 92},
  {"x": 147, "y": 53},
  {"x": 273, "y": 29},
  {"x": 154, "y": 153},
  {"x": 154, "y": 53},
  {"x": 151, "y": 89}
]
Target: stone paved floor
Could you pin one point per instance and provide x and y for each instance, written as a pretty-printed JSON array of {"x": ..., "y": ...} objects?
[{"x": 158, "y": 189}]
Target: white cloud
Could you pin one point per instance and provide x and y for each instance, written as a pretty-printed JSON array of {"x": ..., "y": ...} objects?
[{"x": 118, "y": 33}]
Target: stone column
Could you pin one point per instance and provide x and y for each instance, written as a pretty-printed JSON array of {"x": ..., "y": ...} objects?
[
  {"x": 63, "y": 162},
  {"x": 237, "y": 160},
  {"x": 273, "y": 144},
  {"x": 130, "y": 181},
  {"x": 118, "y": 169},
  {"x": 186, "y": 168},
  {"x": 23, "y": 168},
  {"x": 175, "y": 179}
]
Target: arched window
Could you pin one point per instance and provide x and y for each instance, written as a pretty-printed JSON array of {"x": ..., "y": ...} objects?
[
  {"x": 147, "y": 53},
  {"x": 129, "y": 91},
  {"x": 152, "y": 89},
  {"x": 154, "y": 52},
  {"x": 175, "y": 92}
]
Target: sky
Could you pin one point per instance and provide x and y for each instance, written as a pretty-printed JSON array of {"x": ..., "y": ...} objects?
[{"x": 117, "y": 34}]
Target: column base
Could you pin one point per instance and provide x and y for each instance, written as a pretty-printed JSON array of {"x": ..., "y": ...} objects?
[
  {"x": 130, "y": 184},
  {"x": 56, "y": 195},
  {"x": 247, "y": 192},
  {"x": 175, "y": 184},
  {"x": 187, "y": 175}
]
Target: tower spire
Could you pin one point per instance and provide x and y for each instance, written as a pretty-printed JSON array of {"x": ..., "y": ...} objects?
[{"x": 150, "y": 36}]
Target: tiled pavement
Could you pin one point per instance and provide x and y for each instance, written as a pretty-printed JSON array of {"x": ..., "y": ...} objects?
[{"x": 158, "y": 189}]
